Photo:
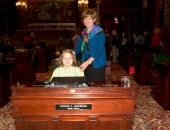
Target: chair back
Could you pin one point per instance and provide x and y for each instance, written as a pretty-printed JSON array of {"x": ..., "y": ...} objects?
[{"x": 159, "y": 58}]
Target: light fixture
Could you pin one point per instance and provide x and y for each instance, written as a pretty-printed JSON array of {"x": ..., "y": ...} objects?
[
  {"x": 116, "y": 21},
  {"x": 20, "y": 4},
  {"x": 21, "y": 8},
  {"x": 83, "y": 3},
  {"x": 123, "y": 18}
]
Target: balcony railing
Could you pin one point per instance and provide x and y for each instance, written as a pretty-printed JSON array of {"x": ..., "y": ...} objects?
[{"x": 52, "y": 26}]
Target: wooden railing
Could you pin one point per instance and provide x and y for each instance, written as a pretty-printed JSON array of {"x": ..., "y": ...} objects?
[{"x": 54, "y": 26}]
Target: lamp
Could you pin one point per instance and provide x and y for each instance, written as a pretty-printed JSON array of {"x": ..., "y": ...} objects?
[
  {"x": 83, "y": 3},
  {"x": 116, "y": 21},
  {"x": 21, "y": 8},
  {"x": 20, "y": 4}
]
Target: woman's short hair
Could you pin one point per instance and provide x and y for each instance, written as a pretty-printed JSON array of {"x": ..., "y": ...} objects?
[
  {"x": 92, "y": 13},
  {"x": 72, "y": 54},
  {"x": 157, "y": 30}
]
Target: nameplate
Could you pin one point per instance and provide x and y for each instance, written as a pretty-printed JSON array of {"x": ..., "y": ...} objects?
[{"x": 73, "y": 106}]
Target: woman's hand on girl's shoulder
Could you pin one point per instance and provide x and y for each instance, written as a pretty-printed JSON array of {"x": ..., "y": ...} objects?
[{"x": 57, "y": 59}]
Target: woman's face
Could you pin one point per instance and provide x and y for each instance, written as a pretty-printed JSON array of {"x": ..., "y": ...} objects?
[
  {"x": 67, "y": 59},
  {"x": 114, "y": 32},
  {"x": 89, "y": 22}
]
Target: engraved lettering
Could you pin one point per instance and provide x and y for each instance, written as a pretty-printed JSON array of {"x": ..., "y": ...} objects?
[
  {"x": 64, "y": 106},
  {"x": 80, "y": 105}
]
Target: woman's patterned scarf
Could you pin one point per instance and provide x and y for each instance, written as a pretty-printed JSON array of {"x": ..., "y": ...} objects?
[{"x": 95, "y": 30}]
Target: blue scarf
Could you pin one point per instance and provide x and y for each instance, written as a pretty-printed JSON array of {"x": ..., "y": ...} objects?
[{"x": 95, "y": 30}]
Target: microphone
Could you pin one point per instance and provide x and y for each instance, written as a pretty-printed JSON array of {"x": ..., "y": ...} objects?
[
  {"x": 75, "y": 84},
  {"x": 50, "y": 84},
  {"x": 79, "y": 85}
]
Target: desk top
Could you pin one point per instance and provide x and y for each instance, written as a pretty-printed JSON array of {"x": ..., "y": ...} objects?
[{"x": 99, "y": 88}]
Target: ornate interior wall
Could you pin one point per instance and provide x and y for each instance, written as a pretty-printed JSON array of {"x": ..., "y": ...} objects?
[{"x": 51, "y": 11}]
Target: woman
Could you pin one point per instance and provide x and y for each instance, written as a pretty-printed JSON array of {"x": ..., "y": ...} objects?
[
  {"x": 108, "y": 44},
  {"x": 123, "y": 40},
  {"x": 26, "y": 38},
  {"x": 67, "y": 65},
  {"x": 6, "y": 39},
  {"x": 76, "y": 36},
  {"x": 114, "y": 45},
  {"x": 139, "y": 39},
  {"x": 75, "y": 41},
  {"x": 92, "y": 47},
  {"x": 156, "y": 40}
]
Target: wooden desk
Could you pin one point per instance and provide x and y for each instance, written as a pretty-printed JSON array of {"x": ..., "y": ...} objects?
[
  {"x": 5, "y": 82},
  {"x": 92, "y": 108},
  {"x": 50, "y": 53},
  {"x": 129, "y": 60},
  {"x": 42, "y": 60},
  {"x": 24, "y": 71},
  {"x": 162, "y": 85},
  {"x": 122, "y": 55},
  {"x": 143, "y": 65}
]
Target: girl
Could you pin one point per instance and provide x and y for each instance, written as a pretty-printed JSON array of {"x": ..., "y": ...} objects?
[{"x": 67, "y": 65}]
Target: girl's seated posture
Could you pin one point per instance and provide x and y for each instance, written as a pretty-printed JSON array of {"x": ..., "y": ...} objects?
[{"x": 67, "y": 65}]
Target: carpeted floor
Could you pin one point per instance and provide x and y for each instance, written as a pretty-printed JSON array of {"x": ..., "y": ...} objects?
[{"x": 148, "y": 114}]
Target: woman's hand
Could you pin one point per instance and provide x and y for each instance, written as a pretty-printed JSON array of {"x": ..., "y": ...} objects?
[
  {"x": 57, "y": 59},
  {"x": 84, "y": 65}
]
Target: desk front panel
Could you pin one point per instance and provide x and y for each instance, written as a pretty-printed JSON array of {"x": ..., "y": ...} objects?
[
  {"x": 110, "y": 108},
  {"x": 23, "y": 71}
]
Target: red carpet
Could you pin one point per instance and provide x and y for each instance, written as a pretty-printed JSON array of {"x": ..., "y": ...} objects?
[{"x": 148, "y": 114}]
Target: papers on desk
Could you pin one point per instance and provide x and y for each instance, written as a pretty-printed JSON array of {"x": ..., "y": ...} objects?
[{"x": 108, "y": 85}]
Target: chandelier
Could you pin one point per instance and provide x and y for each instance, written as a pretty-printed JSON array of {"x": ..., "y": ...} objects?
[
  {"x": 83, "y": 3},
  {"x": 21, "y": 6}
]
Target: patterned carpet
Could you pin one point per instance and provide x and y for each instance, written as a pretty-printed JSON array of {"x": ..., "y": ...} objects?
[{"x": 148, "y": 114}]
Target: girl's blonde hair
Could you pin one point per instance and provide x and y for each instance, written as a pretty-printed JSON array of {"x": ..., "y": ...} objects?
[{"x": 72, "y": 54}]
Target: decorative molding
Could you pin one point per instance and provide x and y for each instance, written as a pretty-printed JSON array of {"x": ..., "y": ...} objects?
[
  {"x": 115, "y": 11},
  {"x": 52, "y": 26}
]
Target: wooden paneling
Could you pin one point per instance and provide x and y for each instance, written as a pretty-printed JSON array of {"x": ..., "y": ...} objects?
[
  {"x": 112, "y": 108},
  {"x": 5, "y": 82},
  {"x": 143, "y": 65},
  {"x": 43, "y": 62},
  {"x": 162, "y": 87},
  {"x": 23, "y": 71}
]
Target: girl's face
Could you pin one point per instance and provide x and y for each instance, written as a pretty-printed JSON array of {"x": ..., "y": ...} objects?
[
  {"x": 67, "y": 59},
  {"x": 89, "y": 22}
]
